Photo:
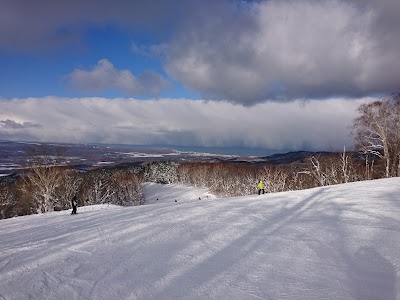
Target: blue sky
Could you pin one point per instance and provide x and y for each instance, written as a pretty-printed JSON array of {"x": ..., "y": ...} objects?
[
  {"x": 204, "y": 55},
  {"x": 53, "y": 65}
]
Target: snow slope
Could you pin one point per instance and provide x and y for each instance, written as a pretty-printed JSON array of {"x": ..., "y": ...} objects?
[
  {"x": 336, "y": 242},
  {"x": 157, "y": 193}
]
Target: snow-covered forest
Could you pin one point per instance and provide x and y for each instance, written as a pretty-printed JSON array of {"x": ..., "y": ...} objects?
[{"x": 47, "y": 188}]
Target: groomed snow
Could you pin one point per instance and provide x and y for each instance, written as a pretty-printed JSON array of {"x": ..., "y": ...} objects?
[
  {"x": 157, "y": 193},
  {"x": 336, "y": 242}
]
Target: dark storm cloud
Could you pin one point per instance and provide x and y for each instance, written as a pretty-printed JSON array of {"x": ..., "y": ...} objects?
[
  {"x": 290, "y": 49},
  {"x": 41, "y": 24},
  {"x": 10, "y": 124},
  {"x": 241, "y": 51}
]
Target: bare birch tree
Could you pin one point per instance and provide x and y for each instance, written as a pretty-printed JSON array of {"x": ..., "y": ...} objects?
[
  {"x": 101, "y": 189},
  {"x": 275, "y": 179},
  {"x": 70, "y": 182},
  {"x": 377, "y": 132},
  {"x": 44, "y": 180}
]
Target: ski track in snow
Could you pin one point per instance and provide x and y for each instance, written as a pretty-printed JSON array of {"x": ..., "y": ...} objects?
[{"x": 335, "y": 242}]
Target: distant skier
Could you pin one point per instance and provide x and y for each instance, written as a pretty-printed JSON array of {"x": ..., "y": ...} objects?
[
  {"x": 74, "y": 204},
  {"x": 261, "y": 187}
]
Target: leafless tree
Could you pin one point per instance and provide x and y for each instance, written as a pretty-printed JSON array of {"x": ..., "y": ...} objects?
[
  {"x": 317, "y": 172},
  {"x": 7, "y": 201},
  {"x": 70, "y": 182},
  {"x": 127, "y": 188},
  {"x": 377, "y": 132},
  {"x": 275, "y": 179},
  {"x": 101, "y": 191},
  {"x": 44, "y": 180}
]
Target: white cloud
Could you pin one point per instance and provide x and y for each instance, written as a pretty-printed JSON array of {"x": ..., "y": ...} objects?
[
  {"x": 313, "y": 125},
  {"x": 104, "y": 76}
]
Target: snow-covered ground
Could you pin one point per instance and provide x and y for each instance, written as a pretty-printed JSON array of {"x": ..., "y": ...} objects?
[
  {"x": 336, "y": 242},
  {"x": 157, "y": 193}
]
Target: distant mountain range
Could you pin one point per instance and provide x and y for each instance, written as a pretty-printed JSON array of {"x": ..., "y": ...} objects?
[
  {"x": 292, "y": 157},
  {"x": 15, "y": 156}
]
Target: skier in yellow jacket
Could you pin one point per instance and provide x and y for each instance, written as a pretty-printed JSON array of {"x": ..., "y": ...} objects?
[{"x": 261, "y": 187}]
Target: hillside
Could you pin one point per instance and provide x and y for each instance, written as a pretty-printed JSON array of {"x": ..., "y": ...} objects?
[{"x": 336, "y": 242}]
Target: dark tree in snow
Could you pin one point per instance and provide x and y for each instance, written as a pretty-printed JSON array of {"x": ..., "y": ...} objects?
[{"x": 8, "y": 201}]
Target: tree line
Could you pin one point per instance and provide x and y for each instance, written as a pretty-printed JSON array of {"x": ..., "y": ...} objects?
[
  {"x": 46, "y": 186},
  {"x": 226, "y": 179}
]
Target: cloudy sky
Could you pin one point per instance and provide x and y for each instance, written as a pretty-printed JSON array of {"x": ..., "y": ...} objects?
[{"x": 274, "y": 74}]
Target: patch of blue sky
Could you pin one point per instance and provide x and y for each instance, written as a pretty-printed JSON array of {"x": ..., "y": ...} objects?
[
  {"x": 26, "y": 75},
  {"x": 44, "y": 74},
  {"x": 116, "y": 46}
]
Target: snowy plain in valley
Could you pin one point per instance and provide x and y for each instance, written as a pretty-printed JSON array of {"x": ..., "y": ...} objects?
[{"x": 335, "y": 242}]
